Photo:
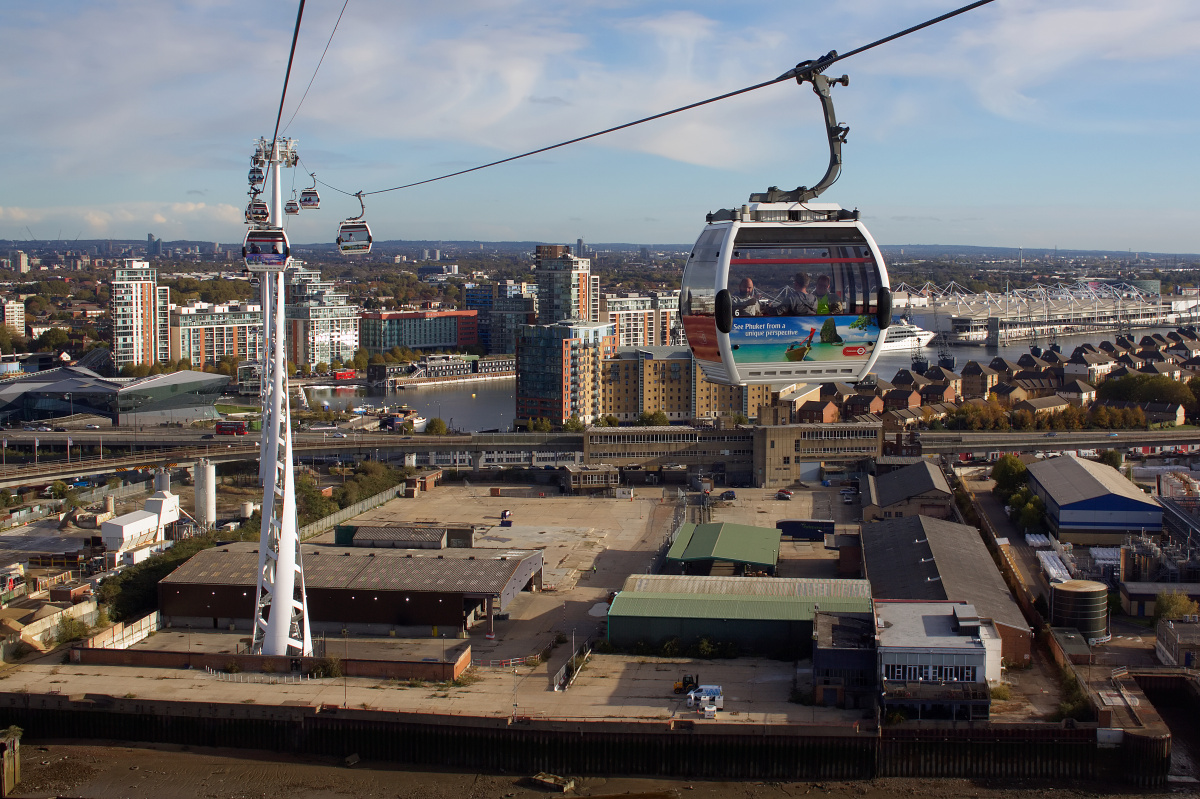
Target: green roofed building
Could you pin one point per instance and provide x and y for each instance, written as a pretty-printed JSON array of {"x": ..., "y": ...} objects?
[
  {"x": 724, "y": 549},
  {"x": 768, "y": 615}
]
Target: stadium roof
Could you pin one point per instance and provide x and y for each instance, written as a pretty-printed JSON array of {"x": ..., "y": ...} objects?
[{"x": 736, "y": 543}]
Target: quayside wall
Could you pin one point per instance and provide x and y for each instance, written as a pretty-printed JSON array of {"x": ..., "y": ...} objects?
[{"x": 680, "y": 748}]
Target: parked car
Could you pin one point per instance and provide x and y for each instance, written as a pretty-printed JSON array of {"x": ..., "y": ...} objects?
[
  {"x": 847, "y": 499},
  {"x": 787, "y": 491},
  {"x": 783, "y": 495},
  {"x": 729, "y": 495}
]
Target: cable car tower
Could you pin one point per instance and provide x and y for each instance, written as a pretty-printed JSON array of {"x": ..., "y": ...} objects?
[{"x": 281, "y": 606}]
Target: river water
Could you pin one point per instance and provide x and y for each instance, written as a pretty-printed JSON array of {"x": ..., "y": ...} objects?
[{"x": 491, "y": 404}]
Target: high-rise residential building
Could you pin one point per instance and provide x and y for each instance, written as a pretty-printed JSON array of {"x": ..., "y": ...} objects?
[
  {"x": 643, "y": 320},
  {"x": 483, "y": 299},
  {"x": 203, "y": 332},
  {"x": 566, "y": 287},
  {"x": 418, "y": 330},
  {"x": 322, "y": 325},
  {"x": 20, "y": 262},
  {"x": 140, "y": 310},
  {"x": 12, "y": 316},
  {"x": 559, "y": 370},
  {"x": 479, "y": 299},
  {"x": 641, "y": 380},
  {"x": 509, "y": 315}
]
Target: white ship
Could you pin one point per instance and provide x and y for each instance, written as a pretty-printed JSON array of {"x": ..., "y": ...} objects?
[{"x": 903, "y": 336}]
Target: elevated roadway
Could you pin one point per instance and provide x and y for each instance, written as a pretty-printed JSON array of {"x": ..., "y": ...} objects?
[{"x": 979, "y": 443}]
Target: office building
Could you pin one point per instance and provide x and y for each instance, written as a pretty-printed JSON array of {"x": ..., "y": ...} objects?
[
  {"x": 140, "y": 311},
  {"x": 203, "y": 332},
  {"x": 12, "y": 316},
  {"x": 418, "y": 330},
  {"x": 566, "y": 287},
  {"x": 322, "y": 325},
  {"x": 559, "y": 370}
]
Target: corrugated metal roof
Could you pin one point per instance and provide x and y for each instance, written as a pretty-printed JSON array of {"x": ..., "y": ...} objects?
[
  {"x": 399, "y": 533},
  {"x": 748, "y": 586},
  {"x": 471, "y": 571},
  {"x": 908, "y": 482},
  {"x": 738, "y": 543},
  {"x": 1069, "y": 480},
  {"x": 717, "y": 606}
]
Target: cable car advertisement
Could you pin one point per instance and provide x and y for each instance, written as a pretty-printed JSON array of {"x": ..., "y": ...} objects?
[{"x": 802, "y": 338}]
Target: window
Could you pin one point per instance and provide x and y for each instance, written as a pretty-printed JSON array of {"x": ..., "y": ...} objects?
[{"x": 787, "y": 461}]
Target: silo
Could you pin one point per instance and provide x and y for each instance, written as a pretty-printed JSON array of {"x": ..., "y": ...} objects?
[
  {"x": 162, "y": 480},
  {"x": 1082, "y": 604},
  {"x": 206, "y": 494}
]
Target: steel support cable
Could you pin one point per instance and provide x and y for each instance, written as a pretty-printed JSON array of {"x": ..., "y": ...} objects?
[
  {"x": 800, "y": 71},
  {"x": 288, "y": 75},
  {"x": 318, "y": 69}
]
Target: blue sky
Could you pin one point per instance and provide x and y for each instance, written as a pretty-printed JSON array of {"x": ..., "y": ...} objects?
[{"x": 1024, "y": 123}]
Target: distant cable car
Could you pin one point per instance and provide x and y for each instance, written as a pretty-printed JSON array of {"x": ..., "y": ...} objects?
[
  {"x": 783, "y": 290},
  {"x": 291, "y": 207},
  {"x": 257, "y": 176},
  {"x": 266, "y": 248},
  {"x": 309, "y": 198},
  {"x": 257, "y": 212},
  {"x": 354, "y": 235}
]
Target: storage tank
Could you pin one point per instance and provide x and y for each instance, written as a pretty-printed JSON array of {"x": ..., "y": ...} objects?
[
  {"x": 1082, "y": 604},
  {"x": 247, "y": 510},
  {"x": 162, "y": 480},
  {"x": 206, "y": 493}
]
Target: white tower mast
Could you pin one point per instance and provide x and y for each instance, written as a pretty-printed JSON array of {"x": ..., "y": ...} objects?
[{"x": 281, "y": 607}]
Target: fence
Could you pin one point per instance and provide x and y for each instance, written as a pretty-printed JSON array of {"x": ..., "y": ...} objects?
[
  {"x": 334, "y": 519},
  {"x": 540, "y": 656},
  {"x": 565, "y": 676},
  {"x": 260, "y": 679},
  {"x": 123, "y": 636}
]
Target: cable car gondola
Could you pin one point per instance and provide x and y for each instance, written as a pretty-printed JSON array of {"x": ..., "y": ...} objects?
[
  {"x": 266, "y": 248},
  {"x": 257, "y": 212},
  {"x": 257, "y": 176},
  {"x": 783, "y": 290},
  {"x": 354, "y": 235},
  {"x": 291, "y": 207},
  {"x": 309, "y": 198}
]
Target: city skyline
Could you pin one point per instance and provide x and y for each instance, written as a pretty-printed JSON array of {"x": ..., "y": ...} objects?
[{"x": 1009, "y": 126}]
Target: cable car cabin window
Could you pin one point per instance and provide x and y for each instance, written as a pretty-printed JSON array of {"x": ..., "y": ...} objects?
[
  {"x": 802, "y": 294},
  {"x": 698, "y": 297}
]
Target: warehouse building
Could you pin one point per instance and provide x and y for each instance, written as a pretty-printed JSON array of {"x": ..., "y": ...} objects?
[
  {"x": 372, "y": 591},
  {"x": 1093, "y": 504},
  {"x": 772, "y": 616},
  {"x": 724, "y": 549},
  {"x": 918, "y": 558},
  {"x": 406, "y": 536},
  {"x": 917, "y": 489}
]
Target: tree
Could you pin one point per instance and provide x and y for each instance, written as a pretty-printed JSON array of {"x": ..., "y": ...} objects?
[
  {"x": 436, "y": 427},
  {"x": 609, "y": 421},
  {"x": 541, "y": 425},
  {"x": 655, "y": 419},
  {"x": 361, "y": 359},
  {"x": 53, "y": 340},
  {"x": 322, "y": 367},
  {"x": 1111, "y": 457},
  {"x": 1010, "y": 474},
  {"x": 574, "y": 424},
  {"x": 1174, "y": 605}
]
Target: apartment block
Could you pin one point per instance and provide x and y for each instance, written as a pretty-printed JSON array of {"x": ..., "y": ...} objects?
[
  {"x": 140, "y": 310},
  {"x": 566, "y": 287},
  {"x": 203, "y": 332},
  {"x": 641, "y": 380},
  {"x": 12, "y": 316},
  {"x": 643, "y": 320},
  {"x": 322, "y": 325},
  {"x": 559, "y": 370}
]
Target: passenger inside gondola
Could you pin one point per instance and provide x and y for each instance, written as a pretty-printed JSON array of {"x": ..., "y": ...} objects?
[
  {"x": 748, "y": 301},
  {"x": 795, "y": 300},
  {"x": 825, "y": 301}
]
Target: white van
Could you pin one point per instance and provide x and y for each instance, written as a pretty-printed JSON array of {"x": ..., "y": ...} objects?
[{"x": 706, "y": 695}]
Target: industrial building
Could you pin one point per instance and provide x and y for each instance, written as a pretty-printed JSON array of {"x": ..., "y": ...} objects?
[
  {"x": 756, "y": 614},
  {"x": 1090, "y": 503},
  {"x": 844, "y": 668},
  {"x": 406, "y": 536},
  {"x": 936, "y": 660},
  {"x": 363, "y": 590},
  {"x": 177, "y": 397},
  {"x": 918, "y": 558},
  {"x": 721, "y": 548},
  {"x": 1178, "y": 642},
  {"x": 918, "y": 489}
]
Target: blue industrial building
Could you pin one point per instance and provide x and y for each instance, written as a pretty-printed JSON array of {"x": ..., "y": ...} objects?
[{"x": 1092, "y": 504}]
